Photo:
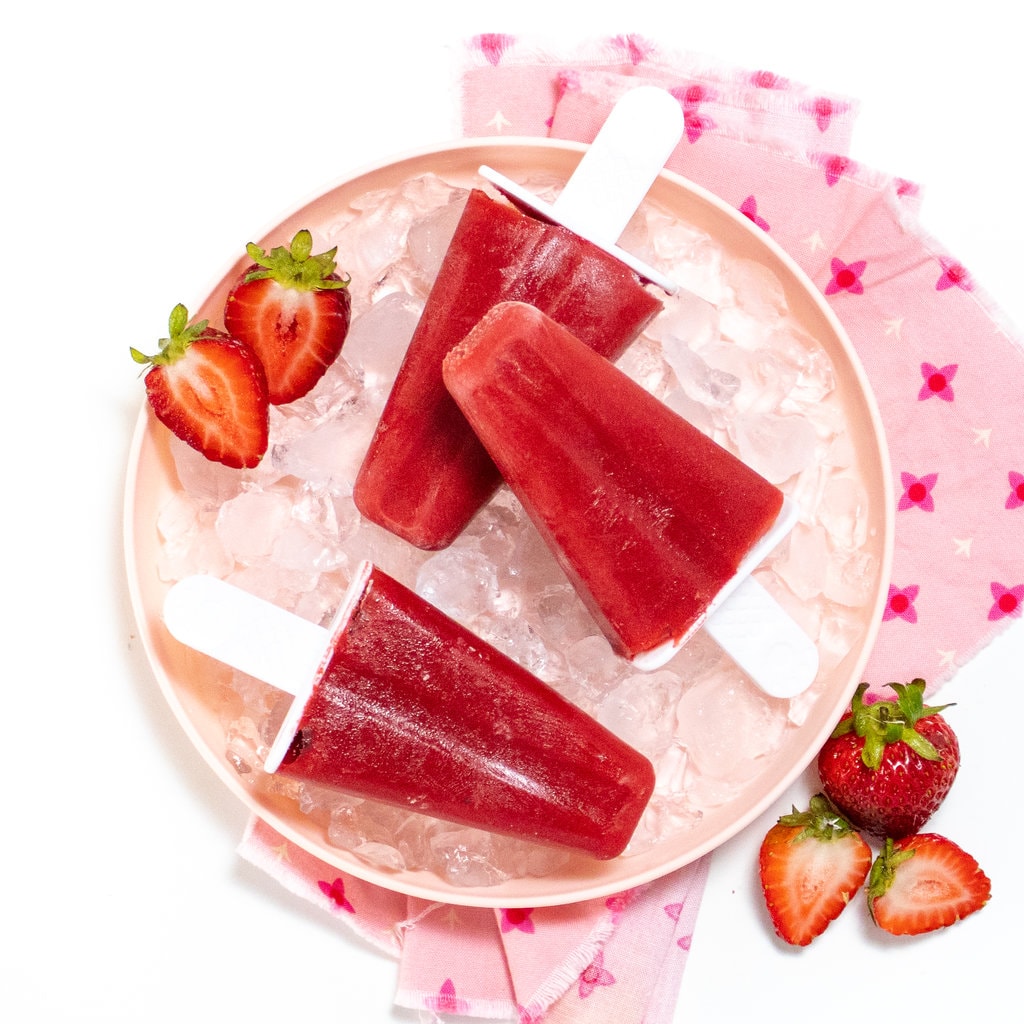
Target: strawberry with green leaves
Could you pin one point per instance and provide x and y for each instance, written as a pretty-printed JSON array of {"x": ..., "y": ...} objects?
[
  {"x": 293, "y": 309},
  {"x": 811, "y": 864},
  {"x": 923, "y": 882},
  {"x": 888, "y": 765},
  {"x": 210, "y": 390}
]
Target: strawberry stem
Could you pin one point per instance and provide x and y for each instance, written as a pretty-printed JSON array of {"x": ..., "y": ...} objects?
[
  {"x": 296, "y": 266},
  {"x": 180, "y": 336},
  {"x": 890, "y": 721},
  {"x": 883, "y": 872},
  {"x": 820, "y": 821}
]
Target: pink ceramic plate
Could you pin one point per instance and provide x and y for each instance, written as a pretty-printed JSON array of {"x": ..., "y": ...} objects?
[{"x": 189, "y": 681}]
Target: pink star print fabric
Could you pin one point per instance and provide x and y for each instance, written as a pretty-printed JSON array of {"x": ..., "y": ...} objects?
[
  {"x": 945, "y": 368},
  {"x": 947, "y": 374},
  {"x": 614, "y": 959}
]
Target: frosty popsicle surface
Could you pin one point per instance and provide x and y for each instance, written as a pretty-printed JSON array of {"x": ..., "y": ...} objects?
[
  {"x": 649, "y": 517},
  {"x": 409, "y": 708}
]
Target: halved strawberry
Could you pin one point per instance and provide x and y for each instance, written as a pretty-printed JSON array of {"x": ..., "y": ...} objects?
[
  {"x": 924, "y": 882},
  {"x": 811, "y": 864},
  {"x": 210, "y": 390},
  {"x": 888, "y": 765},
  {"x": 293, "y": 309}
]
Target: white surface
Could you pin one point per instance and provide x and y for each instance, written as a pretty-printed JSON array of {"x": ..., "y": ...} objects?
[{"x": 143, "y": 144}]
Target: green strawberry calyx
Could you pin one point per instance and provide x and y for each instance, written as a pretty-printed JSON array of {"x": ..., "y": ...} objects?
[
  {"x": 820, "y": 821},
  {"x": 885, "y": 722},
  {"x": 180, "y": 335},
  {"x": 296, "y": 266},
  {"x": 883, "y": 871}
]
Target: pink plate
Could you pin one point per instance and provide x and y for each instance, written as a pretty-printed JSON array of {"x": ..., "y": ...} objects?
[{"x": 190, "y": 681}]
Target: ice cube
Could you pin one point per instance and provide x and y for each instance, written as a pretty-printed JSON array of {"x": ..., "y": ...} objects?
[
  {"x": 815, "y": 378},
  {"x": 516, "y": 637},
  {"x": 687, "y": 254},
  {"x": 729, "y": 727},
  {"x": 643, "y": 362},
  {"x": 777, "y": 447},
  {"x": 640, "y": 710},
  {"x": 465, "y": 858},
  {"x": 208, "y": 482},
  {"x": 680, "y": 402},
  {"x": 850, "y": 577},
  {"x": 458, "y": 581},
  {"x": 377, "y": 339},
  {"x": 803, "y": 562},
  {"x": 667, "y": 815},
  {"x": 243, "y": 746},
  {"x": 188, "y": 542},
  {"x": 687, "y": 324},
  {"x": 380, "y": 855},
  {"x": 249, "y": 524},
  {"x": 707, "y": 385},
  {"x": 430, "y": 236},
  {"x": 756, "y": 290},
  {"x": 843, "y": 512}
]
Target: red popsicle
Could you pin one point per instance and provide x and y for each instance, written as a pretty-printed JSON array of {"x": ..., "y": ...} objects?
[
  {"x": 426, "y": 473},
  {"x": 412, "y": 709},
  {"x": 649, "y": 517}
]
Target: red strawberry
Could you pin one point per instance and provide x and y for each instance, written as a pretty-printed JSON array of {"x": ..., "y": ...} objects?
[
  {"x": 210, "y": 390},
  {"x": 888, "y": 765},
  {"x": 293, "y": 310},
  {"x": 924, "y": 882},
  {"x": 812, "y": 863}
]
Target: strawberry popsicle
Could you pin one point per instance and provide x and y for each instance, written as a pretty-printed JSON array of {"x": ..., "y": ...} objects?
[
  {"x": 426, "y": 473},
  {"x": 407, "y": 707},
  {"x": 649, "y": 517}
]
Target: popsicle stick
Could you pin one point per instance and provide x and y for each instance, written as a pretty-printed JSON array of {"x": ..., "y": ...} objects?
[
  {"x": 246, "y": 632},
  {"x": 621, "y": 164},
  {"x": 614, "y": 175},
  {"x": 756, "y": 631},
  {"x": 758, "y": 634}
]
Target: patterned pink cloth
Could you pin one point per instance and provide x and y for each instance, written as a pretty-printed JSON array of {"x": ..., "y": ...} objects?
[
  {"x": 947, "y": 373},
  {"x": 618, "y": 959},
  {"x": 945, "y": 366}
]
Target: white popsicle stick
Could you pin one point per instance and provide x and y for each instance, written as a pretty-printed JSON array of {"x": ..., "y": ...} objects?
[
  {"x": 246, "y": 632},
  {"x": 757, "y": 633},
  {"x": 614, "y": 175}
]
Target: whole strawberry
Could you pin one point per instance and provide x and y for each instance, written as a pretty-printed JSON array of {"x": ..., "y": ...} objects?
[
  {"x": 889, "y": 765},
  {"x": 293, "y": 310},
  {"x": 210, "y": 390}
]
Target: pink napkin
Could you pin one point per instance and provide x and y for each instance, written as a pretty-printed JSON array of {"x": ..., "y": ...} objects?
[
  {"x": 944, "y": 365},
  {"x": 616, "y": 959},
  {"x": 947, "y": 373}
]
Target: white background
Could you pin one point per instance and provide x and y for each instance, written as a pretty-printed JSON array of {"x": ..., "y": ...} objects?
[{"x": 141, "y": 143}]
